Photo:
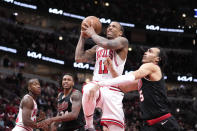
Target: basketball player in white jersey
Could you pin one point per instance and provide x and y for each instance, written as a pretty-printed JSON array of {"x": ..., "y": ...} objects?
[
  {"x": 109, "y": 98},
  {"x": 26, "y": 119}
]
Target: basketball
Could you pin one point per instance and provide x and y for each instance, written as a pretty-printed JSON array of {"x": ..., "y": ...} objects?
[{"x": 94, "y": 22}]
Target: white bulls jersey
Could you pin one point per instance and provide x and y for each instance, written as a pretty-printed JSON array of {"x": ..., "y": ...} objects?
[
  {"x": 19, "y": 120},
  {"x": 100, "y": 70}
]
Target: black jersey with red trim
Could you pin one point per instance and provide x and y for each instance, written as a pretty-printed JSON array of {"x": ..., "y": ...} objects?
[
  {"x": 153, "y": 98},
  {"x": 64, "y": 105}
]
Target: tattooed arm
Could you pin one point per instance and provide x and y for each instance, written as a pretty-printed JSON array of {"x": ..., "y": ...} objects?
[{"x": 84, "y": 56}]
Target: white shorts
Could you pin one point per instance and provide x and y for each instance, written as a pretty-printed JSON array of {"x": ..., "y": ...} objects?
[
  {"x": 21, "y": 128},
  {"x": 112, "y": 127},
  {"x": 109, "y": 100}
]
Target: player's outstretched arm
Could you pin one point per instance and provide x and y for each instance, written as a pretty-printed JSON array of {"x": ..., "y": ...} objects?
[
  {"x": 81, "y": 55},
  {"x": 126, "y": 87},
  {"x": 143, "y": 71},
  {"x": 108, "y": 63},
  {"x": 126, "y": 82}
]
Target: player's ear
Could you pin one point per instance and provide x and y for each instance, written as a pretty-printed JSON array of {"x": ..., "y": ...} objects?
[
  {"x": 29, "y": 89},
  {"x": 157, "y": 59},
  {"x": 121, "y": 33}
]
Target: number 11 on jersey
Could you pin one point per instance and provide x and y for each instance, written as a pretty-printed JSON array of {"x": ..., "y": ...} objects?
[{"x": 102, "y": 68}]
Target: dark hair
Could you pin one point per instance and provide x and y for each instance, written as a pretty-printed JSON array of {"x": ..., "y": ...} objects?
[
  {"x": 60, "y": 79},
  {"x": 30, "y": 81},
  {"x": 163, "y": 58},
  {"x": 69, "y": 74},
  {"x": 121, "y": 27}
]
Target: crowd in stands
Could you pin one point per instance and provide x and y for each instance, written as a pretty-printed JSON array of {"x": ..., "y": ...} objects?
[
  {"x": 183, "y": 91},
  {"x": 174, "y": 61},
  {"x": 13, "y": 35},
  {"x": 164, "y": 12},
  {"x": 47, "y": 43},
  {"x": 170, "y": 41}
]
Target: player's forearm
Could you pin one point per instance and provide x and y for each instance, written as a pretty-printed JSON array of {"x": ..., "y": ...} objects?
[
  {"x": 120, "y": 80},
  {"x": 66, "y": 117},
  {"x": 79, "y": 52},
  {"x": 101, "y": 41},
  {"x": 113, "y": 72},
  {"x": 30, "y": 123},
  {"x": 40, "y": 118}
]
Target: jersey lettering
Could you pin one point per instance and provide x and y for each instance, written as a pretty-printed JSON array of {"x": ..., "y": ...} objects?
[
  {"x": 104, "y": 53},
  {"x": 17, "y": 119},
  {"x": 34, "y": 113},
  {"x": 62, "y": 106},
  {"x": 101, "y": 70},
  {"x": 141, "y": 96}
]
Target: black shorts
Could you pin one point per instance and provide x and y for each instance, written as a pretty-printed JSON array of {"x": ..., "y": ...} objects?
[{"x": 169, "y": 124}]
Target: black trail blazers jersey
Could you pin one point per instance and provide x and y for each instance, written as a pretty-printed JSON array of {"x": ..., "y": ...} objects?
[
  {"x": 65, "y": 104},
  {"x": 153, "y": 98}
]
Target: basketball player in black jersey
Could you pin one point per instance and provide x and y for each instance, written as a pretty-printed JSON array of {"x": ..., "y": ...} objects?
[
  {"x": 70, "y": 114},
  {"x": 149, "y": 82}
]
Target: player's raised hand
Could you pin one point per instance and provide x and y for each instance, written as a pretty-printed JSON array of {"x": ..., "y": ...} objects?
[
  {"x": 108, "y": 63},
  {"x": 88, "y": 30},
  {"x": 84, "y": 26}
]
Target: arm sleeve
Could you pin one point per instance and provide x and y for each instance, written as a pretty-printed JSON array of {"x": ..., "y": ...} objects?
[{"x": 120, "y": 80}]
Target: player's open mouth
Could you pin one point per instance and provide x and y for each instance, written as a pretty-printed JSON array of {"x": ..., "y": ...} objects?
[
  {"x": 65, "y": 85},
  {"x": 109, "y": 33}
]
